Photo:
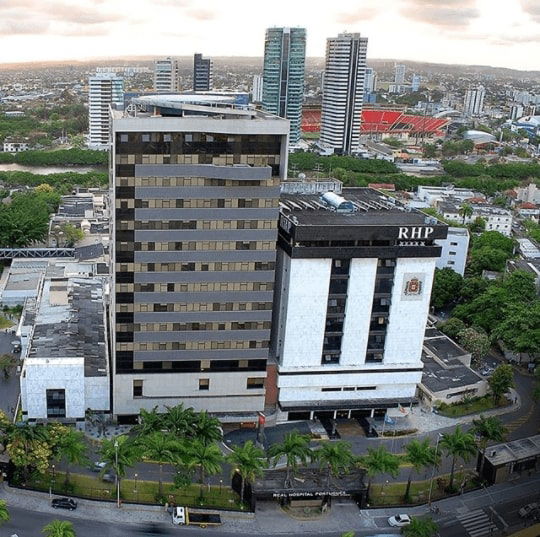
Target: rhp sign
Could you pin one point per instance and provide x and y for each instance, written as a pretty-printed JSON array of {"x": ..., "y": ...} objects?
[{"x": 414, "y": 232}]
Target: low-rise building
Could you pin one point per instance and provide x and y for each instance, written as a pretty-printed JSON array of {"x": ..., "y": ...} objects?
[
  {"x": 496, "y": 219},
  {"x": 454, "y": 250},
  {"x": 528, "y": 249},
  {"x": 66, "y": 361},
  {"x": 528, "y": 210},
  {"x": 528, "y": 194},
  {"x": 15, "y": 146},
  {"x": 433, "y": 195}
]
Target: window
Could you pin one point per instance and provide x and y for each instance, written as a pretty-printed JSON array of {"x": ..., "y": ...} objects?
[
  {"x": 451, "y": 263},
  {"x": 255, "y": 383},
  {"x": 330, "y": 389},
  {"x": 56, "y": 403},
  {"x": 453, "y": 244},
  {"x": 137, "y": 388},
  {"x": 204, "y": 384},
  {"x": 452, "y": 253},
  {"x": 123, "y": 138}
]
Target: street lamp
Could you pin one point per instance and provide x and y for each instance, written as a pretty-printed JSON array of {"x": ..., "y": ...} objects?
[
  {"x": 51, "y": 481},
  {"x": 220, "y": 485},
  {"x": 439, "y": 436},
  {"x": 136, "y": 491},
  {"x": 116, "y": 472}
]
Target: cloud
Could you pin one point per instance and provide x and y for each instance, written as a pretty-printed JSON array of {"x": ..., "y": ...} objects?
[
  {"x": 356, "y": 16},
  {"x": 201, "y": 14},
  {"x": 532, "y": 7},
  {"x": 449, "y": 14},
  {"x": 22, "y": 27}
]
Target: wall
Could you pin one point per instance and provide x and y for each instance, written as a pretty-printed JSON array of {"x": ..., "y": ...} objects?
[{"x": 455, "y": 262}]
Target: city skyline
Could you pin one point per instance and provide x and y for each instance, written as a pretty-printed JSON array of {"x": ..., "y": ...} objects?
[{"x": 446, "y": 31}]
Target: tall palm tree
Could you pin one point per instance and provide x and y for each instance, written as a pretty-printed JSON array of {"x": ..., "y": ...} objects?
[
  {"x": 295, "y": 448},
  {"x": 119, "y": 458},
  {"x": 179, "y": 420},
  {"x": 4, "y": 513},
  {"x": 59, "y": 528},
  {"x": 420, "y": 527},
  {"x": 488, "y": 429},
  {"x": 248, "y": 461},
  {"x": 206, "y": 428},
  {"x": 465, "y": 211},
  {"x": 336, "y": 457},
  {"x": 379, "y": 461},
  {"x": 162, "y": 449},
  {"x": 149, "y": 422},
  {"x": 458, "y": 444},
  {"x": 206, "y": 458},
  {"x": 420, "y": 454},
  {"x": 71, "y": 448}
]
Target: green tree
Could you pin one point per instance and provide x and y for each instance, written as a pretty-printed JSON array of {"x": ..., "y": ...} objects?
[
  {"x": 420, "y": 527},
  {"x": 72, "y": 234},
  {"x": 295, "y": 448},
  {"x": 206, "y": 428},
  {"x": 421, "y": 454},
  {"x": 446, "y": 287},
  {"x": 4, "y": 512},
  {"x": 474, "y": 341},
  {"x": 519, "y": 328},
  {"x": 465, "y": 211},
  {"x": 249, "y": 462},
  {"x": 495, "y": 241},
  {"x": 179, "y": 421},
  {"x": 206, "y": 458},
  {"x": 71, "y": 448},
  {"x": 487, "y": 430},
  {"x": 478, "y": 225},
  {"x": 452, "y": 327},
  {"x": 486, "y": 259},
  {"x": 429, "y": 150},
  {"x": 458, "y": 444},
  {"x": 150, "y": 421},
  {"x": 29, "y": 447},
  {"x": 7, "y": 363},
  {"x": 59, "y": 528},
  {"x": 119, "y": 454},
  {"x": 379, "y": 461},
  {"x": 501, "y": 381},
  {"x": 162, "y": 449},
  {"x": 44, "y": 187},
  {"x": 335, "y": 457}
]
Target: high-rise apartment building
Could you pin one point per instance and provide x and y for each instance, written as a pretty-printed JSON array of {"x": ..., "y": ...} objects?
[
  {"x": 353, "y": 281},
  {"x": 196, "y": 196},
  {"x": 202, "y": 73},
  {"x": 283, "y": 75},
  {"x": 104, "y": 90},
  {"x": 399, "y": 74},
  {"x": 166, "y": 75},
  {"x": 370, "y": 84},
  {"x": 415, "y": 82},
  {"x": 344, "y": 79},
  {"x": 257, "y": 89},
  {"x": 473, "y": 104}
]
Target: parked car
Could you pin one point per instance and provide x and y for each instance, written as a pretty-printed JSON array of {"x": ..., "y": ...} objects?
[
  {"x": 108, "y": 478},
  {"x": 98, "y": 466},
  {"x": 399, "y": 521},
  {"x": 528, "y": 509},
  {"x": 64, "y": 503}
]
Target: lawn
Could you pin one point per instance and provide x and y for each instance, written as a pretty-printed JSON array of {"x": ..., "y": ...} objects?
[
  {"x": 138, "y": 491},
  {"x": 5, "y": 323},
  {"x": 480, "y": 404}
]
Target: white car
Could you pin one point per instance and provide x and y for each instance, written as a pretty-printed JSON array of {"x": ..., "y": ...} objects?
[{"x": 399, "y": 521}]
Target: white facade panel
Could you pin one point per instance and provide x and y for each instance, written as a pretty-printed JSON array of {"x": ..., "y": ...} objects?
[
  {"x": 307, "y": 301},
  {"x": 413, "y": 279},
  {"x": 358, "y": 311},
  {"x": 454, "y": 250}
]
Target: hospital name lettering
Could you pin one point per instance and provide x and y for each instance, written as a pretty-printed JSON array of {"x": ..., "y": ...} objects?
[{"x": 414, "y": 232}]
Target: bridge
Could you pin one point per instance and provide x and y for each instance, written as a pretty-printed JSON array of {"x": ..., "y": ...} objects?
[{"x": 36, "y": 253}]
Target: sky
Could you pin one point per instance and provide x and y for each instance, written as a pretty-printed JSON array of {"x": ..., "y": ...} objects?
[{"x": 502, "y": 33}]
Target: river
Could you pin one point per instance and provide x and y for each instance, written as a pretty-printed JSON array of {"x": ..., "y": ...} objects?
[{"x": 46, "y": 170}]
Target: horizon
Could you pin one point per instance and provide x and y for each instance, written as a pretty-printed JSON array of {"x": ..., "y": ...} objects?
[{"x": 451, "y": 32}]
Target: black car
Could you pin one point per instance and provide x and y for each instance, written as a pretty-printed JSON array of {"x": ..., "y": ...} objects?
[{"x": 64, "y": 503}]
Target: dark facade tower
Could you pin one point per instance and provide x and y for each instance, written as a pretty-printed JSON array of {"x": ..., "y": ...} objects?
[{"x": 202, "y": 73}]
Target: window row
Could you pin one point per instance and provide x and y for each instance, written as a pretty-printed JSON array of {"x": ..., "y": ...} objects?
[
  {"x": 243, "y": 266},
  {"x": 129, "y": 225},
  {"x": 189, "y": 181},
  {"x": 177, "y": 246},
  {"x": 193, "y": 306},
  {"x": 192, "y": 287},
  {"x": 181, "y": 327},
  {"x": 142, "y": 155},
  {"x": 204, "y": 203},
  {"x": 191, "y": 345},
  {"x": 348, "y": 388}
]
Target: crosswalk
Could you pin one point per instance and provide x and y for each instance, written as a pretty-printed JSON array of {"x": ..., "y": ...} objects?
[{"x": 477, "y": 523}]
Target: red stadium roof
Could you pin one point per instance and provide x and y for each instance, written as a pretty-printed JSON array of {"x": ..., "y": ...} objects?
[{"x": 383, "y": 121}]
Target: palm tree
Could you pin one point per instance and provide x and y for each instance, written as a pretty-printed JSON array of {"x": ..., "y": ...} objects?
[
  {"x": 206, "y": 428},
  {"x": 179, "y": 420},
  {"x": 465, "y": 211},
  {"x": 207, "y": 458},
  {"x": 59, "y": 528},
  {"x": 119, "y": 453},
  {"x": 295, "y": 448},
  {"x": 336, "y": 457},
  {"x": 488, "y": 429},
  {"x": 162, "y": 449},
  {"x": 149, "y": 422},
  {"x": 458, "y": 444},
  {"x": 420, "y": 527},
  {"x": 4, "y": 513},
  {"x": 71, "y": 448},
  {"x": 379, "y": 461},
  {"x": 248, "y": 461},
  {"x": 420, "y": 454}
]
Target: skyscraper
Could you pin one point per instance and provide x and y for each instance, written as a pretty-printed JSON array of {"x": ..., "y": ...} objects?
[
  {"x": 343, "y": 90},
  {"x": 371, "y": 80},
  {"x": 474, "y": 101},
  {"x": 283, "y": 75},
  {"x": 166, "y": 76},
  {"x": 415, "y": 82},
  {"x": 196, "y": 197},
  {"x": 105, "y": 90},
  {"x": 399, "y": 74},
  {"x": 202, "y": 73},
  {"x": 257, "y": 89}
]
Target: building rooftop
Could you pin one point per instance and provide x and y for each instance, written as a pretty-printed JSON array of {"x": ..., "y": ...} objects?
[
  {"x": 444, "y": 348},
  {"x": 437, "y": 378},
  {"x": 515, "y": 450},
  {"x": 23, "y": 282},
  {"x": 69, "y": 322}
]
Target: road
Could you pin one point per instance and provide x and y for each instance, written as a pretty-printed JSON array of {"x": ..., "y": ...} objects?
[{"x": 9, "y": 388}]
